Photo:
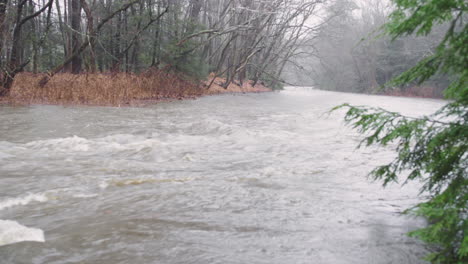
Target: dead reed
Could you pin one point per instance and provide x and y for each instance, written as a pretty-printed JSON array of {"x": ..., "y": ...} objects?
[
  {"x": 117, "y": 89},
  {"x": 234, "y": 87},
  {"x": 103, "y": 88}
]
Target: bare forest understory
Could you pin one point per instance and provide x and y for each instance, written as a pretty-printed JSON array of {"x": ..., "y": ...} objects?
[{"x": 119, "y": 89}]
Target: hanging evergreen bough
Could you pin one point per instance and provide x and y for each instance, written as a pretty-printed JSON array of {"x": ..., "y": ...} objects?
[{"x": 432, "y": 148}]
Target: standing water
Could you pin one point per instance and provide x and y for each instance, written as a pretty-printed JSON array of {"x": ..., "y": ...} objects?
[{"x": 253, "y": 178}]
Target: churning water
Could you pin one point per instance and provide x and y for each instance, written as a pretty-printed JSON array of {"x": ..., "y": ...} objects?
[{"x": 254, "y": 178}]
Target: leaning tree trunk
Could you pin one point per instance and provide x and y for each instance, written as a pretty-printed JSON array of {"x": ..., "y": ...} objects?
[{"x": 15, "y": 65}]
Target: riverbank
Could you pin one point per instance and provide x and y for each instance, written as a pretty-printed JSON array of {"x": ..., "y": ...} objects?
[
  {"x": 416, "y": 92},
  {"x": 118, "y": 89}
]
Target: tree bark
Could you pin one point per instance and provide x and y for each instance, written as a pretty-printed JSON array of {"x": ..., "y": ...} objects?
[
  {"x": 3, "y": 7},
  {"x": 76, "y": 35},
  {"x": 195, "y": 9},
  {"x": 91, "y": 36}
]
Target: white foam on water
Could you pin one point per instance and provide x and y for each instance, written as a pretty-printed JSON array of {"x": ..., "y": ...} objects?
[
  {"x": 61, "y": 144},
  {"x": 103, "y": 185},
  {"x": 12, "y": 232},
  {"x": 85, "y": 195},
  {"x": 38, "y": 197},
  {"x": 119, "y": 142}
]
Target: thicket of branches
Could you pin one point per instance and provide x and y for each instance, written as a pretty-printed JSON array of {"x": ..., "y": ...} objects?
[{"x": 238, "y": 39}]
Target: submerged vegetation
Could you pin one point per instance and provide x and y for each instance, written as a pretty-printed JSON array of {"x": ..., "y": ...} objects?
[{"x": 433, "y": 148}]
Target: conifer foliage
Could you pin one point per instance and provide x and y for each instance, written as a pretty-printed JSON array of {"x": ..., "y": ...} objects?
[{"x": 433, "y": 148}]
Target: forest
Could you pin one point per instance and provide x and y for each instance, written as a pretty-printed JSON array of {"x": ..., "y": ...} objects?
[
  {"x": 236, "y": 40},
  {"x": 334, "y": 45},
  {"x": 350, "y": 53}
]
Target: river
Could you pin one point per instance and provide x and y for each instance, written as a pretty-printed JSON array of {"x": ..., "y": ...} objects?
[{"x": 244, "y": 178}]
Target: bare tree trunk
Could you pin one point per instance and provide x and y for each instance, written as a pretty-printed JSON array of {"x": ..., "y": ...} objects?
[
  {"x": 91, "y": 36},
  {"x": 14, "y": 53},
  {"x": 62, "y": 29},
  {"x": 3, "y": 7},
  {"x": 195, "y": 9},
  {"x": 68, "y": 43},
  {"x": 157, "y": 42},
  {"x": 86, "y": 43},
  {"x": 124, "y": 41},
  {"x": 116, "y": 56},
  {"x": 14, "y": 65},
  {"x": 76, "y": 35},
  {"x": 134, "y": 60},
  {"x": 36, "y": 32}
]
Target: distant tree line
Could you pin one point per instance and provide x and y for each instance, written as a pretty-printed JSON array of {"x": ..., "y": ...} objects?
[
  {"x": 236, "y": 39},
  {"x": 350, "y": 53}
]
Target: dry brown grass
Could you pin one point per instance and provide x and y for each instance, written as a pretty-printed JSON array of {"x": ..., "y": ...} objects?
[
  {"x": 117, "y": 89},
  {"x": 103, "y": 88},
  {"x": 246, "y": 87}
]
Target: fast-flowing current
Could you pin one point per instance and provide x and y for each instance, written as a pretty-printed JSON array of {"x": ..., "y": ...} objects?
[{"x": 244, "y": 178}]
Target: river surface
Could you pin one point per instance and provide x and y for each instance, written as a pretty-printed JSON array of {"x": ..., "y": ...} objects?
[{"x": 246, "y": 178}]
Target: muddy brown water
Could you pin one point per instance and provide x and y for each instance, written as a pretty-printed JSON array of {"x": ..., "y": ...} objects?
[{"x": 251, "y": 178}]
